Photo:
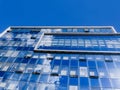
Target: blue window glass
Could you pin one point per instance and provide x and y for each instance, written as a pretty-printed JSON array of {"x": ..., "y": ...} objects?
[
  {"x": 73, "y": 81},
  {"x": 64, "y": 70},
  {"x": 61, "y": 88},
  {"x": 10, "y": 60},
  {"x": 105, "y": 83},
  {"x": 53, "y": 80},
  {"x": 34, "y": 78},
  {"x": 65, "y": 62},
  {"x": 3, "y": 59},
  {"x": 57, "y": 62},
  {"x": 13, "y": 67},
  {"x": 25, "y": 60},
  {"x": 7, "y": 75},
  {"x": 15, "y": 76},
  {"x": 2, "y": 73},
  {"x": 108, "y": 58},
  {"x": 31, "y": 86},
  {"x": 25, "y": 77},
  {"x": 44, "y": 78},
  {"x": 74, "y": 63},
  {"x": 94, "y": 82},
  {"x": 33, "y": 61},
  {"x": 55, "y": 69},
  {"x": 91, "y": 64},
  {"x": 18, "y": 60},
  {"x": 115, "y": 83},
  {"x": 103, "y": 73},
  {"x": 101, "y": 64},
  {"x": 110, "y": 65},
  {"x": 40, "y": 61},
  {"x": 29, "y": 68},
  {"x": 117, "y": 64},
  {"x": 19, "y": 48},
  {"x": 73, "y": 72},
  {"x": 84, "y": 83},
  {"x": 93, "y": 73},
  {"x": 63, "y": 80},
  {"x": 82, "y": 64}
]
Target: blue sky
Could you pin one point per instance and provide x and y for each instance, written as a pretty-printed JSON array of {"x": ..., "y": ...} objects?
[{"x": 59, "y": 12}]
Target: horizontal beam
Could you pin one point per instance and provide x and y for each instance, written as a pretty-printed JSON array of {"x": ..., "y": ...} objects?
[
  {"x": 77, "y": 51},
  {"x": 85, "y": 34},
  {"x": 37, "y": 27}
]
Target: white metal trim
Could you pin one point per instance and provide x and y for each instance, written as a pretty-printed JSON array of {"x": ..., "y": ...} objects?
[
  {"x": 39, "y": 41},
  {"x": 5, "y": 31},
  {"x": 76, "y": 51},
  {"x": 39, "y": 27},
  {"x": 114, "y": 29},
  {"x": 61, "y": 27}
]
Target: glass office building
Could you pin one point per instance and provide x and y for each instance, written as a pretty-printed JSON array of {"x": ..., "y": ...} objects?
[{"x": 60, "y": 58}]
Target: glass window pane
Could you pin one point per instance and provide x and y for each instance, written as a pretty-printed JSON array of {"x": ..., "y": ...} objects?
[
  {"x": 83, "y": 72},
  {"x": 105, "y": 82},
  {"x": 84, "y": 82},
  {"x": 94, "y": 82}
]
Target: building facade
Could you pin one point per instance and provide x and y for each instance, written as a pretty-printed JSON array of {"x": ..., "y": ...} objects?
[{"x": 60, "y": 58}]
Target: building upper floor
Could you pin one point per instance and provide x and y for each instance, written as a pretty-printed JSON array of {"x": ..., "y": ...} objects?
[{"x": 61, "y": 38}]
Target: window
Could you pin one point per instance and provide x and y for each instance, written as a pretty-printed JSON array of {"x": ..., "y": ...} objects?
[
  {"x": 57, "y": 57},
  {"x": 44, "y": 78},
  {"x": 37, "y": 69},
  {"x": 73, "y": 72},
  {"x": 8, "y": 53},
  {"x": 21, "y": 68},
  {"x": 55, "y": 69},
  {"x": 74, "y": 63},
  {"x": 108, "y": 59},
  {"x": 91, "y": 64},
  {"x": 63, "y": 81},
  {"x": 12, "y": 85},
  {"x": 28, "y": 56},
  {"x": 94, "y": 82},
  {"x": 25, "y": 77},
  {"x": 83, "y": 72},
  {"x": 73, "y": 81},
  {"x": 16, "y": 76},
  {"x": 53, "y": 79},
  {"x": 34, "y": 78},
  {"x": 84, "y": 82},
  {"x": 35, "y": 56},
  {"x": 3, "y": 84},
  {"x": 73, "y": 87},
  {"x": 29, "y": 68},
  {"x": 99, "y": 57},
  {"x": 50, "y": 57},
  {"x": 83, "y": 64},
  {"x": 103, "y": 73},
  {"x": 65, "y": 58},
  {"x": 116, "y": 83},
  {"x": 57, "y": 62},
  {"x": 100, "y": 64},
  {"x": 2, "y": 73},
  {"x": 15, "y": 54},
  {"x": 116, "y": 58},
  {"x": 105, "y": 82},
  {"x": 86, "y": 30},
  {"x": 32, "y": 61},
  {"x": 46, "y": 69},
  {"x": 64, "y": 70},
  {"x": 5, "y": 67},
  {"x": 82, "y": 58},
  {"x": 93, "y": 73},
  {"x": 65, "y": 62}
]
